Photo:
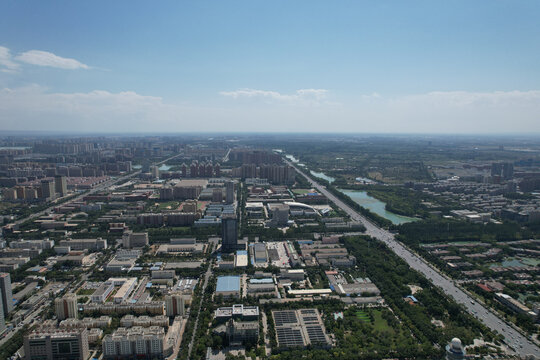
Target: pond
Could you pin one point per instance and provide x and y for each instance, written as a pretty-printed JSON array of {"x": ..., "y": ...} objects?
[{"x": 376, "y": 206}]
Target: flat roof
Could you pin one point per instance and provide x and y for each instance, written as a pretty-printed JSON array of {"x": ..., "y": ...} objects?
[
  {"x": 193, "y": 182},
  {"x": 295, "y": 271},
  {"x": 262, "y": 281},
  {"x": 228, "y": 283},
  {"x": 183, "y": 265},
  {"x": 310, "y": 291}
]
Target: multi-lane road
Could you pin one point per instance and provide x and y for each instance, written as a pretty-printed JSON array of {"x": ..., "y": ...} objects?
[{"x": 513, "y": 338}]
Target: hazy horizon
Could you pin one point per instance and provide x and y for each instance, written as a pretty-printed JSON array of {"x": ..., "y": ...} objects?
[{"x": 303, "y": 67}]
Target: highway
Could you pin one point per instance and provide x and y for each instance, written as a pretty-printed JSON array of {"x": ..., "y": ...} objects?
[{"x": 514, "y": 339}]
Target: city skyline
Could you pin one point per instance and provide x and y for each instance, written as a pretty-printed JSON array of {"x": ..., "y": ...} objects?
[{"x": 259, "y": 67}]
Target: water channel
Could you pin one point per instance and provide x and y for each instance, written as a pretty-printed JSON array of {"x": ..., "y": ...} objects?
[{"x": 376, "y": 206}]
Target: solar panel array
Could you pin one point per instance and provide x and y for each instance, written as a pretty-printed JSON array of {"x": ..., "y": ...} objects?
[
  {"x": 285, "y": 317},
  {"x": 316, "y": 334},
  {"x": 310, "y": 320},
  {"x": 298, "y": 328},
  {"x": 289, "y": 337}
]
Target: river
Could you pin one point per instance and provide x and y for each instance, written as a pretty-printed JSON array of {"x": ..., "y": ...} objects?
[
  {"x": 323, "y": 176},
  {"x": 376, "y": 206},
  {"x": 292, "y": 158}
]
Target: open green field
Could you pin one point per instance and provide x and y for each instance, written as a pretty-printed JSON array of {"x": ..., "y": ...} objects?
[
  {"x": 380, "y": 323},
  {"x": 168, "y": 205},
  {"x": 301, "y": 191}
]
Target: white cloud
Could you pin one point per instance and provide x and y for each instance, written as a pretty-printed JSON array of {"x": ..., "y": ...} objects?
[
  {"x": 454, "y": 112},
  {"x": 463, "y": 99},
  {"x": 312, "y": 96},
  {"x": 36, "y": 108},
  {"x": 6, "y": 62},
  {"x": 45, "y": 58}
]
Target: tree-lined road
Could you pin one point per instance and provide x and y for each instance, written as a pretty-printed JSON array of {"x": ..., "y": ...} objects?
[{"x": 518, "y": 342}]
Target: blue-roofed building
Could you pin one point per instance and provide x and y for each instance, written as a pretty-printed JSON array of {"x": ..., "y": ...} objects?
[
  {"x": 414, "y": 300},
  {"x": 228, "y": 286},
  {"x": 261, "y": 281}
]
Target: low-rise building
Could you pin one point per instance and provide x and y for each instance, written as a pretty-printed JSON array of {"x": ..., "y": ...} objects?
[
  {"x": 515, "y": 305},
  {"x": 85, "y": 244},
  {"x": 228, "y": 286},
  {"x": 237, "y": 312}
]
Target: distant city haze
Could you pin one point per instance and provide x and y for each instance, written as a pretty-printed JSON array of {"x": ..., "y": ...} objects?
[{"x": 244, "y": 66}]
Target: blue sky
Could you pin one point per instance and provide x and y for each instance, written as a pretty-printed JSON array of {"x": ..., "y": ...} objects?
[{"x": 362, "y": 66}]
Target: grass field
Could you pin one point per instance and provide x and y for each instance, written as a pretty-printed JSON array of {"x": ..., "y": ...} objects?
[
  {"x": 362, "y": 316},
  {"x": 85, "y": 291},
  {"x": 379, "y": 323},
  {"x": 301, "y": 191},
  {"x": 169, "y": 205}
]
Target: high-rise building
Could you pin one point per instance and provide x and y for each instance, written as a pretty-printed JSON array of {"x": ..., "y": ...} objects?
[
  {"x": 60, "y": 184},
  {"x": 20, "y": 192},
  {"x": 229, "y": 233},
  {"x": 2, "y": 317},
  {"x": 194, "y": 169},
  {"x": 248, "y": 171},
  {"x": 174, "y": 304},
  {"x": 229, "y": 192},
  {"x": 507, "y": 171},
  {"x": 54, "y": 344},
  {"x": 154, "y": 169},
  {"x": 30, "y": 193},
  {"x": 280, "y": 215},
  {"x": 47, "y": 189},
  {"x": 217, "y": 195},
  {"x": 184, "y": 170},
  {"x": 66, "y": 307},
  {"x": 6, "y": 293},
  {"x": 496, "y": 169},
  {"x": 10, "y": 194}
]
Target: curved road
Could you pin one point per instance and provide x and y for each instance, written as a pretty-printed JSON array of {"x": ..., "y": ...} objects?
[{"x": 514, "y": 339}]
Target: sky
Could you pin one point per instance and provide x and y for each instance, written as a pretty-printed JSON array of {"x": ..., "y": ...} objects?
[{"x": 270, "y": 66}]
